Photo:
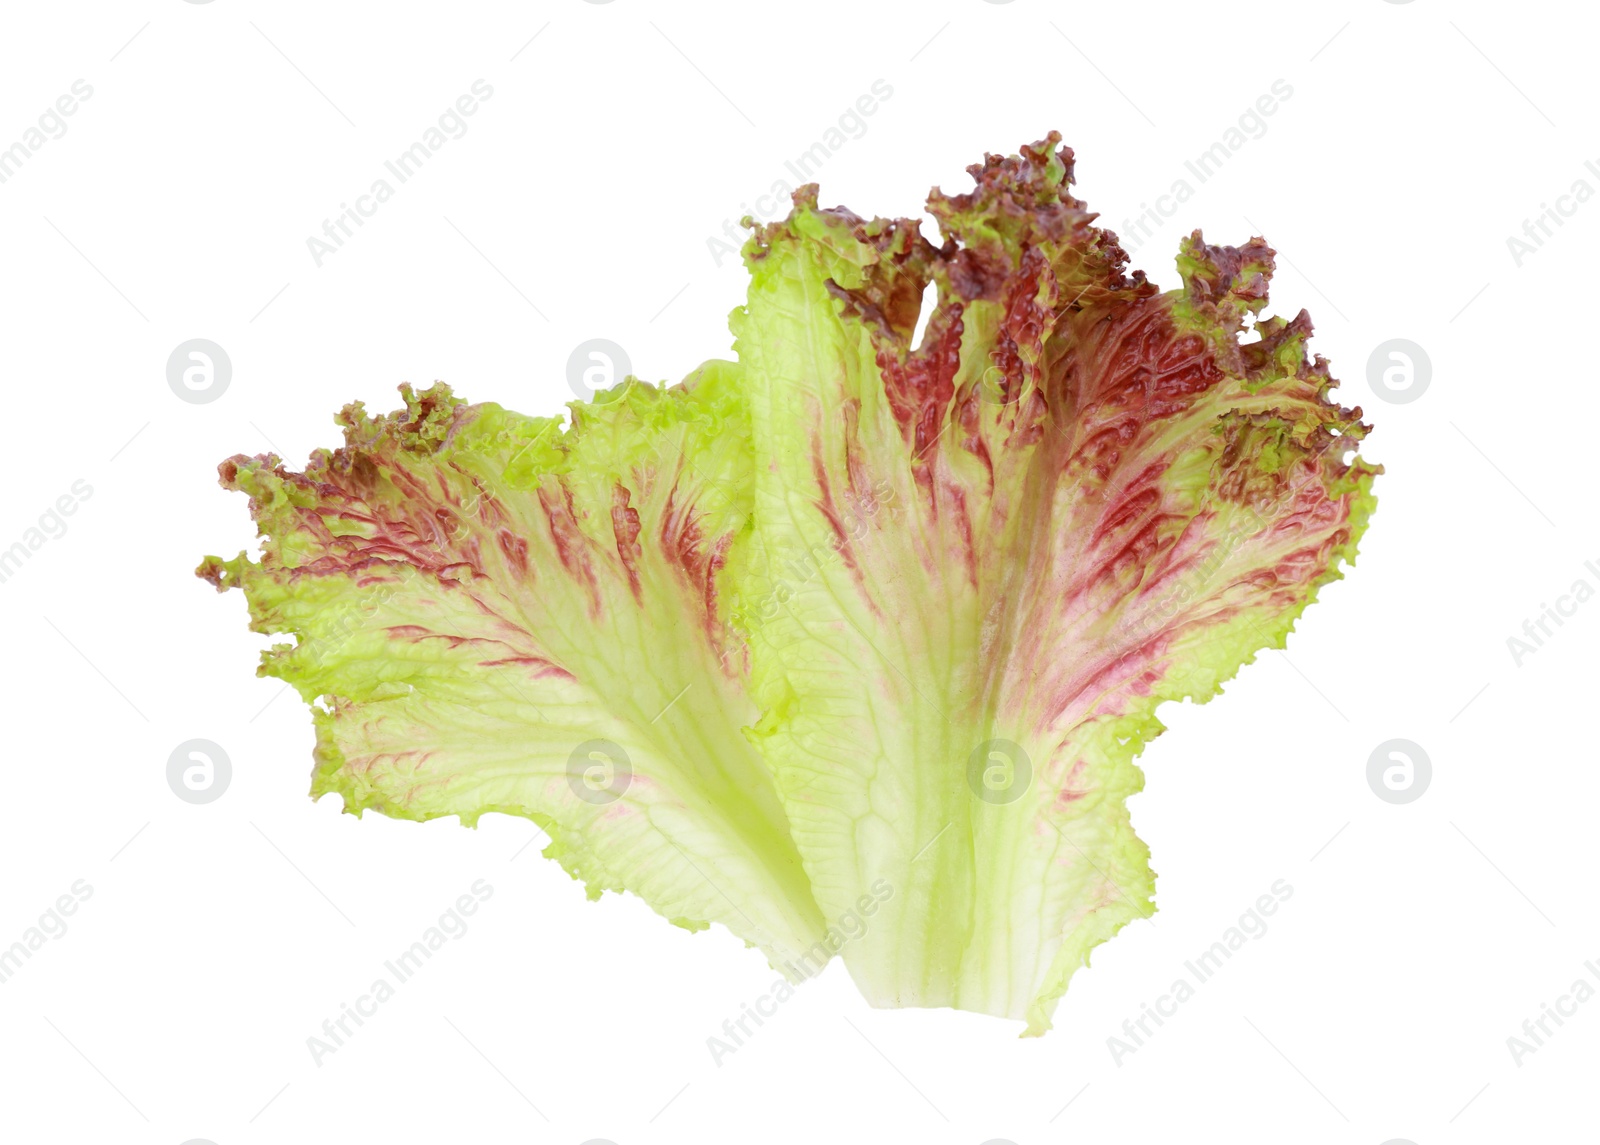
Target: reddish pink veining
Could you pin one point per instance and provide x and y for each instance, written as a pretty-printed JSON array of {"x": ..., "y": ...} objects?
[
  {"x": 541, "y": 668},
  {"x": 698, "y": 560},
  {"x": 625, "y": 527},
  {"x": 419, "y": 532},
  {"x": 491, "y": 513},
  {"x": 1117, "y": 388},
  {"x": 1094, "y": 686},
  {"x": 1132, "y": 373},
  {"x": 682, "y": 542},
  {"x": 1189, "y": 549},
  {"x": 680, "y": 536},
  {"x": 1153, "y": 563},
  {"x": 1028, "y": 425},
  {"x": 511, "y": 638},
  {"x": 963, "y": 523},
  {"x": 717, "y": 558},
  {"x": 416, "y": 634},
  {"x": 842, "y": 541},
  {"x": 571, "y": 546},
  {"x": 969, "y": 416},
  {"x": 919, "y": 386},
  {"x": 829, "y": 510},
  {"x": 365, "y": 510},
  {"x": 1027, "y": 321},
  {"x": 858, "y": 482},
  {"x": 1135, "y": 503},
  {"x": 1073, "y": 783},
  {"x": 514, "y": 549}
]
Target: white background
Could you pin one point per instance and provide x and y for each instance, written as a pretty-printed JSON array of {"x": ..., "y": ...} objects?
[{"x": 579, "y": 203}]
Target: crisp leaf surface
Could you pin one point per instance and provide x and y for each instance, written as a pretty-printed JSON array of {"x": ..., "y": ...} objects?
[
  {"x": 851, "y": 645},
  {"x": 495, "y": 615},
  {"x": 980, "y": 564}
]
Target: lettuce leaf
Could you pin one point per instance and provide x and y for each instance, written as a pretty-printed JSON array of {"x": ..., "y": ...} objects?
[
  {"x": 496, "y": 615},
  {"x": 980, "y": 564},
  {"x": 849, "y": 645}
]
